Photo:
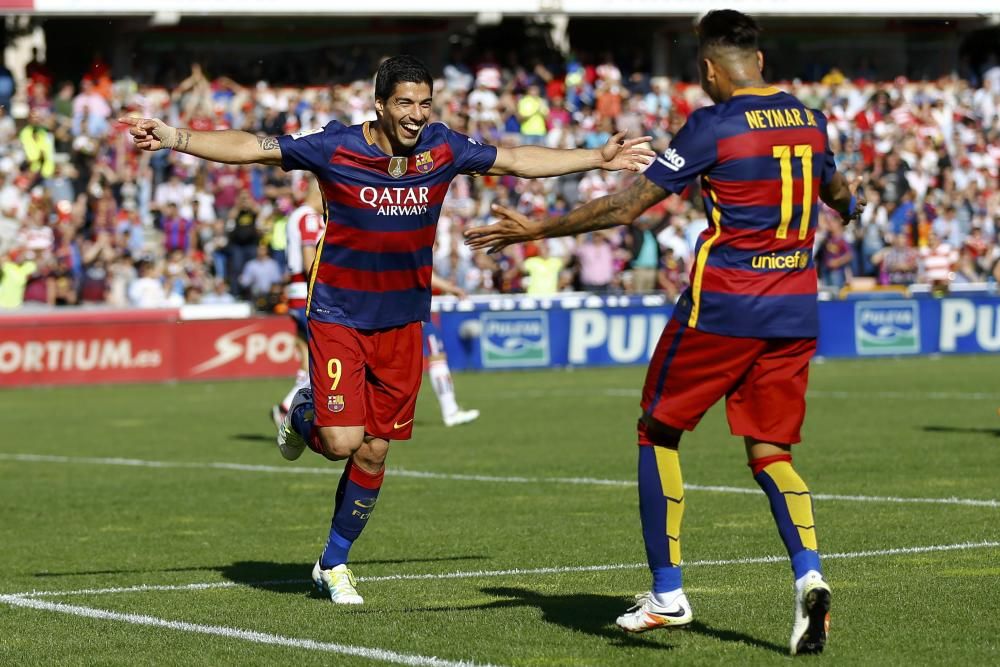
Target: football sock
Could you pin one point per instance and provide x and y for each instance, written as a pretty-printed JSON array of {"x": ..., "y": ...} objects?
[
  {"x": 661, "y": 507},
  {"x": 443, "y": 388},
  {"x": 302, "y": 421},
  {"x": 791, "y": 506},
  {"x": 301, "y": 380},
  {"x": 354, "y": 502}
]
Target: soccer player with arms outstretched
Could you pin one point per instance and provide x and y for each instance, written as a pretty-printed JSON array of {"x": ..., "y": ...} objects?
[
  {"x": 383, "y": 184},
  {"x": 746, "y": 328}
]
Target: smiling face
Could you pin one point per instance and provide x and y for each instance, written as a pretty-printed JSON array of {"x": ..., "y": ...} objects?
[{"x": 403, "y": 116}]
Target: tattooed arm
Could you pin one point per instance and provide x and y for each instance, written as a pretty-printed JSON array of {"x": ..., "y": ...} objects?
[
  {"x": 229, "y": 146},
  {"x": 620, "y": 208}
]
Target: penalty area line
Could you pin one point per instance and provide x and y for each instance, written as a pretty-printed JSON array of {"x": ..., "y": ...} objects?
[
  {"x": 382, "y": 655},
  {"x": 520, "y": 572}
]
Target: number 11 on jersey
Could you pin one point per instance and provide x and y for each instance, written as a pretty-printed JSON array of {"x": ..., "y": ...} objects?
[{"x": 784, "y": 155}]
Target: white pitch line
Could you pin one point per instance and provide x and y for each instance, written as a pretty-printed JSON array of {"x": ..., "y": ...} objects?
[
  {"x": 633, "y": 392},
  {"x": 520, "y": 572},
  {"x": 420, "y": 474},
  {"x": 382, "y": 655}
]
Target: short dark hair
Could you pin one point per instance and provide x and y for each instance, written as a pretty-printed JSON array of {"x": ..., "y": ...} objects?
[
  {"x": 398, "y": 69},
  {"x": 728, "y": 27}
]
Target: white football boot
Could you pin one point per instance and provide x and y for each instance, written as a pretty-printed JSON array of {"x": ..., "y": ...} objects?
[
  {"x": 338, "y": 582},
  {"x": 461, "y": 417},
  {"x": 812, "y": 614},
  {"x": 277, "y": 416},
  {"x": 290, "y": 443},
  {"x": 648, "y": 613}
]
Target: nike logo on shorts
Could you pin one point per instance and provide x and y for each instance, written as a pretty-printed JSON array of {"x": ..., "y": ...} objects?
[{"x": 397, "y": 425}]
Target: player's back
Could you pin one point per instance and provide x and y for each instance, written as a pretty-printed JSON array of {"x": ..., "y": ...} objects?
[{"x": 762, "y": 157}]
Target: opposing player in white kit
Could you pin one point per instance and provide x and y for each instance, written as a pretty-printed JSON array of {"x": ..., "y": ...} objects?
[
  {"x": 304, "y": 229},
  {"x": 437, "y": 362}
]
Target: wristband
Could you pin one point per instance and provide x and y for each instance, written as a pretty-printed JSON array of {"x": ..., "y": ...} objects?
[{"x": 851, "y": 208}]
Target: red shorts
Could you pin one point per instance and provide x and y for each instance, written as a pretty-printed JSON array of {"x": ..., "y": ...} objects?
[
  {"x": 366, "y": 378},
  {"x": 763, "y": 379}
]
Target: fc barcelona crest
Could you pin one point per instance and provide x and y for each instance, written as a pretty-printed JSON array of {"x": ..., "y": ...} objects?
[
  {"x": 425, "y": 162},
  {"x": 397, "y": 166},
  {"x": 335, "y": 403}
]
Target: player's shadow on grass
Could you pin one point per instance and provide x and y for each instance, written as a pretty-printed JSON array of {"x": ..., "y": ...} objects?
[
  {"x": 253, "y": 437},
  {"x": 737, "y": 637},
  {"x": 962, "y": 429},
  {"x": 583, "y": 612},
  {"x": 593, "y": 615}
]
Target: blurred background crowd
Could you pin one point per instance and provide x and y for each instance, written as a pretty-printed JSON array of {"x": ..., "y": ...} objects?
[{"x": 84, "y": 218}]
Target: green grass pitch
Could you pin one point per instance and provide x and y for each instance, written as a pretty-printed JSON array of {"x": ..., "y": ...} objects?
[{"x": 531, "y": 511}]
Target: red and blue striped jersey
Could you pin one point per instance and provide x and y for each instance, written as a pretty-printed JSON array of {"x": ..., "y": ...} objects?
[
  {"x": 374, "y": 261},
  {"x": 762, "y": 157}
]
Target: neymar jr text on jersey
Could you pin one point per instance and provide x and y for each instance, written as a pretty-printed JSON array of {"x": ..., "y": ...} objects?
[{"x": 766, "y": 119}]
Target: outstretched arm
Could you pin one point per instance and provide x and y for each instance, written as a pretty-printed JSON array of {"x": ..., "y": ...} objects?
[
  {"x": 620, "y": 208},
  {"x": 445, "y": 286},
  {"x": 838, "y": 195},
  {"x": 229, "y": 146},
  {"x": 539, "y": 162}
]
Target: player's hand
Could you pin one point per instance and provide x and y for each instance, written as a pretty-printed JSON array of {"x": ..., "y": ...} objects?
[
  {"x": 511, "y": 228},
  {"x": 150, "y": 134},
  {"x": 860, "y": 201},
  {"x": 621, "y": 153}
]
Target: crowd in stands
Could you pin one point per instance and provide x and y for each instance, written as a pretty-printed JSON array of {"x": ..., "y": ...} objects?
[{"x": 85, "y": 218}]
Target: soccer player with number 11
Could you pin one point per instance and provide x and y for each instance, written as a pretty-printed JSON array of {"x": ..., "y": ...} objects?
[{"x": 746, "y": 328}]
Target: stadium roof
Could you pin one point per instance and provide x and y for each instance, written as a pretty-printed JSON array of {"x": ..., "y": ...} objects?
[{"x": 167, "y": 11}]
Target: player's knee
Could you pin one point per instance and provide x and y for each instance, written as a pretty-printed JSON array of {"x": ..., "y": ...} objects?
[
  {"x": 371, "y": 457},
  {"x": 339, "y": 444},
  {"x": 654, "y": 433}
]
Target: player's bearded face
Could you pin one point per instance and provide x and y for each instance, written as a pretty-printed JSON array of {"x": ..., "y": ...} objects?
[{"x": 407, "y": 111}]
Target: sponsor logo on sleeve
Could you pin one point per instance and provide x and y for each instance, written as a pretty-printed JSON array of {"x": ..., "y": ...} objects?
[
  {"x": 672, "y": 160},
  {"x": 306, "y": 133}
]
